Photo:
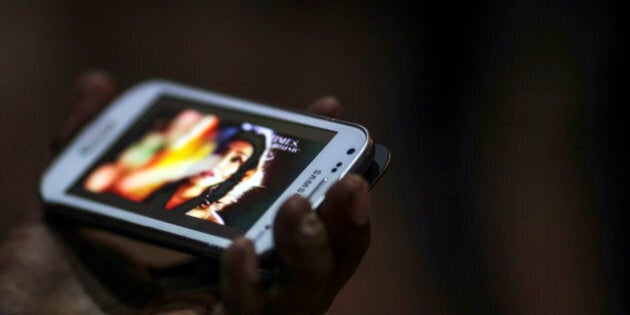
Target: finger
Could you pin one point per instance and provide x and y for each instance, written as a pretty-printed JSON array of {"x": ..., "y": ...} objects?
[
  {"x": 90, "y": 94},
  {"x": 240, "y": 289},
  {"x": 328, "y": 106},
  {"x": 345, "y": 213},
  {"x": 305, "y": 256}
]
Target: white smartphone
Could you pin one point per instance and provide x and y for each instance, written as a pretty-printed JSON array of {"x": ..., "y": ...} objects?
[{"x": 194, "y": 169}]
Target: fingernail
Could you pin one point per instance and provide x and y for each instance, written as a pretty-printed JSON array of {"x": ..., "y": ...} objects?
[
  {"x": 329, "y": 104},
  {"x": 311, "y": 225},
  {"x": 358, "y": 187}
]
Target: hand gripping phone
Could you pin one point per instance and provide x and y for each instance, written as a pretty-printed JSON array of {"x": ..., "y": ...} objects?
[{"x": 192, "y": 169}]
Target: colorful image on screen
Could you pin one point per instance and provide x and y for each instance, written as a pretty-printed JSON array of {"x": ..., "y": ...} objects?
[{"x": 192, "y": 161}]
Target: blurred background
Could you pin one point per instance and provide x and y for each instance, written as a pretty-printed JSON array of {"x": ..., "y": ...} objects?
[{"x": 505, "y": 120}]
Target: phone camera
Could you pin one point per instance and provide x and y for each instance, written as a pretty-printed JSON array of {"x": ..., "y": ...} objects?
[
  {"x": 334, "y": 170},
  {"x": 350, "y": 151},
  {"x": 339, "y": 164}
]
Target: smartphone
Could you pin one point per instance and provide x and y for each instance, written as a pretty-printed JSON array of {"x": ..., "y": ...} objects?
[{"x": 193, "y": 169}]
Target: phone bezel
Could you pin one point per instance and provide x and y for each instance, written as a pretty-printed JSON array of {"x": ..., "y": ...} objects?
[{"x": 105, "y": 130}]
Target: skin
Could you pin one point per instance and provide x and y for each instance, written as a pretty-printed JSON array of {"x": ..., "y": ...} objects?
[{"x": 41, "y": 270}]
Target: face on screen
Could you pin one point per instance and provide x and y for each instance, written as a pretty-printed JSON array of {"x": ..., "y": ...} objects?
[
  {"x": 187, "y": 158},
  {"x": 187, "y": 162}
]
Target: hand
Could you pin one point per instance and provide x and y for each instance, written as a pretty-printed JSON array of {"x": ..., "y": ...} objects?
[
  {"x": 36, "y": 273},
  {"x": 317, "y": 255}
]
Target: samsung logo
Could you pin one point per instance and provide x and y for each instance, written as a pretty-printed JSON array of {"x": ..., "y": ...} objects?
[{"x": 309, "y": 181}]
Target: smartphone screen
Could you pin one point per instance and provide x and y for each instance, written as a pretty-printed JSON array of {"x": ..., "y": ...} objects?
[{"x": 200, "y": 166}]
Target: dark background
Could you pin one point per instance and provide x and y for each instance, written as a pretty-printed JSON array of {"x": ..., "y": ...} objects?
[{"x": 506, "y": 123}]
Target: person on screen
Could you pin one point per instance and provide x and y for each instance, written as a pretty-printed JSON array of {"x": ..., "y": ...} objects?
[{"x": 240, "y": 170}]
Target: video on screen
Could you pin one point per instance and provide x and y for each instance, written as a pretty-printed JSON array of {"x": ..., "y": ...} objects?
[{"x": 193, "y": 162}]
